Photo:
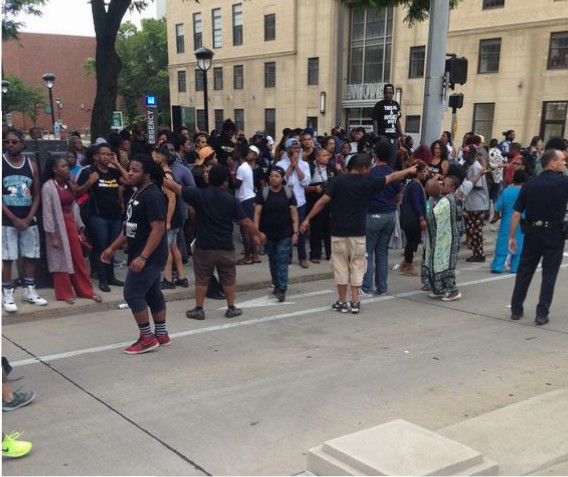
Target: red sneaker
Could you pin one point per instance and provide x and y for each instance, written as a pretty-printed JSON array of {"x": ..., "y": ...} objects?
[
  {"x": 143, "y": 345},
  {"x": 164, "y": 340}
]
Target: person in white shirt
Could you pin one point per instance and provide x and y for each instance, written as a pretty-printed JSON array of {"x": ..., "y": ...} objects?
[
  {"x": 298, "y": 177},
  {"x": 244, "y": 183}
]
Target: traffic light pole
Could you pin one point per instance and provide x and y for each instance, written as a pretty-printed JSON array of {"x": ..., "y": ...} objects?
[{"x": 433, "y": 110}]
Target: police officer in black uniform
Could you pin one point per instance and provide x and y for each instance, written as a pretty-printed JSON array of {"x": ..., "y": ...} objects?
[{"x": 544, "y": 200}]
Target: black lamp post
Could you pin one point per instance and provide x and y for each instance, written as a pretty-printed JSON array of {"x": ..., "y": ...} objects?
[
  {"x": 59, "y": 106},
  {"x": 5, "y": 86},
  {"x": 204, "y": 59},
  {"x": 49, "y": 80}
]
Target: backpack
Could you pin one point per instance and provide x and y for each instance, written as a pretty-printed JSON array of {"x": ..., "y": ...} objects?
[{"x": 266, "y": 189}]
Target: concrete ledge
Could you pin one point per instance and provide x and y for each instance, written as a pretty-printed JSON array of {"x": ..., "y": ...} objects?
[
  {"x": 397, "y": 448},
  {"x": 524, "y": 437}
]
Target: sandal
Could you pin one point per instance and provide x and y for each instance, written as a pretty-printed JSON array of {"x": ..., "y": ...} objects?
[
  {"x": 244, "y": 261},
  {"x": 70, "y": 301},
  {"x": 97, "y": 298}
]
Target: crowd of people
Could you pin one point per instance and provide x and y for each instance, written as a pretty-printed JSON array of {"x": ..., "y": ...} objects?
[
  {"x": 344, "y": 198},
  {"x": 340, "y": 197}
]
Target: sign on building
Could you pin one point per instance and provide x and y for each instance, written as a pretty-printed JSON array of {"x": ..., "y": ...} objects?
[{"x": 117, "y": 120}]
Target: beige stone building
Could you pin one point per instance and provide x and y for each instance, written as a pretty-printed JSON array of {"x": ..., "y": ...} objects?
[{"x": 319, "y": 63}]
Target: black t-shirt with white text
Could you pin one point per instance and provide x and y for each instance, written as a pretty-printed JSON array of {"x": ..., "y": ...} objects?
[
  {"x": 387, "y": 114},
  {"x": 144, "y": 207},
  {"x": 350, "y": 194}
]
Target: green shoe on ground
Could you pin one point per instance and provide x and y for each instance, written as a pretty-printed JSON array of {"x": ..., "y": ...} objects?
[{"x": 12, "y": 447}]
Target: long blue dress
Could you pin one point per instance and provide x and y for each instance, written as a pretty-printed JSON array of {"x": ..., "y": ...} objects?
[{"x": 505, "y": 205}]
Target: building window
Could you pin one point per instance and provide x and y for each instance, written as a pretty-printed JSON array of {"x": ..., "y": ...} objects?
[
  {"x": 312, "y": 122},
  {"x": 270, "y": 122},
  {"x": 270, "y": 27},
  {"x": 238, "y": 77},
  {"x": 417, "y": 57},
  {"x": 217, "y": 78},
  {"x": 313, "y": 71},
  {"x": 370, "y": 46},
  {"x": 219, "y": 118},
  {"x": 182, "y": 87},
  {"x": 217, "y": 28},
  {"x": 197, "y": 31},
  {"x": 240, "y": 119},
  {"x": 270, "y": 75},
  {"x": 483, "y": 119},
  {"x": 180, "y": 46},
  {"x": 198, "y": 80},
  {"x": 493, "y": 4},
  {"x": 237, "y": 24},
  {"x": 412, "y": 124},
  {"x": 553, "y": 119},
  {"x": 200, "y": 119},
  {"x": 489, "y": 53},
  {"x": 558, "y": 51}
]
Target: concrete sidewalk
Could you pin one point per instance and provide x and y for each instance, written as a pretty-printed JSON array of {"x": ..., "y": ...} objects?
[{"x": 249, "y": 277}]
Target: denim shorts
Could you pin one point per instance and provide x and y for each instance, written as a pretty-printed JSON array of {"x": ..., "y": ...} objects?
[
  {"x": 16, "y": 244},
  {"x": 142, "y": 290},
  {"x": 172, "y": 236}
]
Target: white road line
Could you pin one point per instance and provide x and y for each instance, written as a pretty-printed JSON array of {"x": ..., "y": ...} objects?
[{"x": 254, "y": 321}]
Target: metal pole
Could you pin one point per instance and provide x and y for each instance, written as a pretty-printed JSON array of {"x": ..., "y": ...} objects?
[
  {"x": 433, "y": 110},
  {"x": 205, "y": 105},
  {"x": 51, "y": 106}
]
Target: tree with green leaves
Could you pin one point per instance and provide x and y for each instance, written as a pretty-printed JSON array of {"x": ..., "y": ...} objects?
[
  {"x": 23, "y": 99},
  {"x": 11, "y": 9},
  {"x": 417, "y": 10}
]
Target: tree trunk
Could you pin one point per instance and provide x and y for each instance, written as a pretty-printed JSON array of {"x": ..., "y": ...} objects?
[
  {"x": 107, "y": 87},
  {"x": 107, "y": 63}
]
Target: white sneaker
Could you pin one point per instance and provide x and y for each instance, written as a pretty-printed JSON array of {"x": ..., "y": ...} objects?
[
  {"x": 364, "y": 294},
  {"x": 31, "y": 296},
  {"x": 8, "y": 302}
]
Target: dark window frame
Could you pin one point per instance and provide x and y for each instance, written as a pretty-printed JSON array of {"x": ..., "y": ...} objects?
[
  {"x": 218, "y": 78},
  {"x": 416, "y": 61},
  {"x": 217, "y": 32},
  {"x": 198, "y": 80},
  {"x": 200, "y": 120},
  {"x": 485, "y": 59},
  {"x": 313, "y": 71},
  {"x": 270, "y": 27},
  {"x": 182, "y": 81},
  {"x": 487, "y": 132},
  {"x": 237, "y": 28},
  {"x": 197, "y": 31},
  {"x": 544, "y": 121},
  {"x": 238, "y": 79},
  {"x": 180, "y": 38},
  {"x": 489, "y": 4},
  {"x": 412, "y": 120},
  {"x": 239, "y": 119},
  {"x": 270, "y": 122},
  {"x": 270, "y": 74},
  {"x": 562, "y": 62},
  {"x": 218, "y": 118}
]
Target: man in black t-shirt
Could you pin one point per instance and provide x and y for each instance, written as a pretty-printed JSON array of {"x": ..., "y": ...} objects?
[
  {"x": 215, "y": 211},
  {"x": 349, "y": 195},
  {"x": 386, "y": 122}
]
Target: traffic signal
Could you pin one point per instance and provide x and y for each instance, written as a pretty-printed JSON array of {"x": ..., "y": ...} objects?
[
  {"x": 457, "y": 68},
  {"x": 456, "y": 101}
]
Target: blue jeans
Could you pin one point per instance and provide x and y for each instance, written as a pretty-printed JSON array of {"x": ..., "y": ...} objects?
[
  {"x": 102, "y": 233},
  {"x": 378, "y": 233},
  {"x": 278, "y": 252}
]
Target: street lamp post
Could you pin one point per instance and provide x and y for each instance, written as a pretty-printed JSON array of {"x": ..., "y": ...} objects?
[
  {"x": 204, "y": 58},
  {"x": 5, "y": 87},
  {"x": 49, "y": 80},
  {"x": 59, "y": 106}
]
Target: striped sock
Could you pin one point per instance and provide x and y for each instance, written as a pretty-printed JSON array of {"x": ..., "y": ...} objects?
[
  {"x": 145, "y": 329},
  {"x": 29, "y": 282},
  {"x": 160, "y": 327},
  {"x": 6, "y": 285}
]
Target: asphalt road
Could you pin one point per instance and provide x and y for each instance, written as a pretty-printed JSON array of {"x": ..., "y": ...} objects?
[{"x": 250, "y": 396}]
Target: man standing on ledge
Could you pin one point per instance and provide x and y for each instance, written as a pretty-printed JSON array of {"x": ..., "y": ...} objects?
[
  {"x": 386, "y": 122},
  {"x": 349, "y": 195},
  {"x": 543, "y": 200}
]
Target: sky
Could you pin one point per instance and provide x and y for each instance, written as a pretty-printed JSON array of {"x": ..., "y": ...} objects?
[{"x": 73, "y": 17}]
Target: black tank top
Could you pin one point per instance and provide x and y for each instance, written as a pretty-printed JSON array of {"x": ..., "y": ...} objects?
[{"x": 17, "y": 188}]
